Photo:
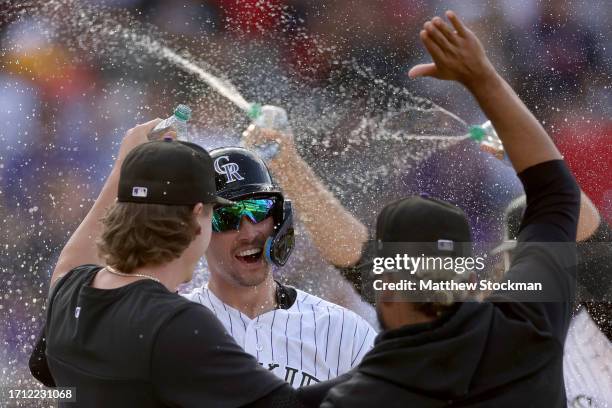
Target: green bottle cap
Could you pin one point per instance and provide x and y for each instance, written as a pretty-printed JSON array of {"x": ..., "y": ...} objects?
[
  {"x": 477, "y": 133},
  {"x": 254, "y": 111},
  {"x": 183, "y": 112}
]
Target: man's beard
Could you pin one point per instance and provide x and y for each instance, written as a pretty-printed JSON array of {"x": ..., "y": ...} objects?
[
  {"x": 253, "y": 277},
  {"x": 250, "y": 279}
]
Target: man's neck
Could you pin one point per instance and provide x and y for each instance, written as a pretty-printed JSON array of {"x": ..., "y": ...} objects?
[
  {"x": 250, "y": 300},
  {"x": 170, "y": 274}
]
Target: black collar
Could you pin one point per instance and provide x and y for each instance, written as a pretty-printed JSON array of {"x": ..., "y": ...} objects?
[{"x": 285, "y": 295}]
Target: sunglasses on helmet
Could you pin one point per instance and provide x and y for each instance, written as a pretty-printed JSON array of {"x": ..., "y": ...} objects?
[{"x": 256, "y": 210}]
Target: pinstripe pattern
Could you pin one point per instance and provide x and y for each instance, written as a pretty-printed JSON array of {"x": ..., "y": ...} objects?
[
  {"x": 242, "y": 319},
  {"x": 211, "y": 303},
  {"x": 202, "y": 302},
  {"x": 361, "y": 346},
  {"x": 276, "y": 345},
  {"x": 301, "y": 341},
  {"x": 587, "y": 363},
  {"x": 354, "y": 334},
  {"x": 327, "y": 341},
  {"x": 287, "y": 339},
  {"x": 314, "y": 320},
  {"x": 229, "y": 317},
  {"x": 272, "y": 335},
  {"x": 257, "y": 341},
  {"x": 340, "y": 343}
]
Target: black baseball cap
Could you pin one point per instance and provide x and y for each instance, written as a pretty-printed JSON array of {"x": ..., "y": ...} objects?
[
  {"x": 168, "y": 172},
  {"x": 423, "y": 226}
]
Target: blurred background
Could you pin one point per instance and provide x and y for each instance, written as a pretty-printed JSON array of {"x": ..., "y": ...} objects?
[{"x": 70, "y": 88}]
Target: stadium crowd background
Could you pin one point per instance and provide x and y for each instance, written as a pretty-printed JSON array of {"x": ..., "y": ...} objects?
[{"x": 556, "y": 54}]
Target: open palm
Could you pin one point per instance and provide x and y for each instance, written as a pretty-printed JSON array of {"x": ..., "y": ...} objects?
[{"x": 456, "y": 52}]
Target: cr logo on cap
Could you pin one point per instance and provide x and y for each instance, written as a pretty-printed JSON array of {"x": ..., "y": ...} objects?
[{"x": 230, "y": 170}]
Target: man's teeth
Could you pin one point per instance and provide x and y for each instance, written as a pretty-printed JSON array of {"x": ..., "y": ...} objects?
[{"x": 248, "y": 252}]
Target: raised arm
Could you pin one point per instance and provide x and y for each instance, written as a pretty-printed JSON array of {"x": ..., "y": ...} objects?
[
  {"x": 81, "y": 247},
  {"x": 335, "y": 232},
  {"x": 458, "y": 55},
  {"x": 552, "y": 194}
]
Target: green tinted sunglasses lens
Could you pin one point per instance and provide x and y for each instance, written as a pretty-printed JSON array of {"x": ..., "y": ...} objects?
[{"x": 228, "y": 218}]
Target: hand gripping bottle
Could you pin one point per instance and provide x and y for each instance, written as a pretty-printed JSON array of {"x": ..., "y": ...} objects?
[
  {"x": 269, "y": 117},
  {"x": 177, "y": 123},
  {"x": 489, "y": 142}
]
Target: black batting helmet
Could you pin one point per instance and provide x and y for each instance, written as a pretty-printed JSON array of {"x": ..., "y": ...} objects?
[{"x": 241, "y": 174}]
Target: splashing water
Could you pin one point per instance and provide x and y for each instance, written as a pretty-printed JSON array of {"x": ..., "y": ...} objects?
[
  {"x": 361, "y": 145},
  {"x": 224, "y": 88},
  {"x": 357, "y": 131},
  {"x": 96, "y": 29}
]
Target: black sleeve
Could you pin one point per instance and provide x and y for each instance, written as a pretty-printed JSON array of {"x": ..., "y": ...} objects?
[
  {"x": 39, "y": 367},
  {"x": 546, "y": 252},
  {"x": 283, "y": 397},
  {"x": 38, "y": 362},
  {"x": 310, "y": 396},
  {"x": 196, "y": 363},
  {"x": 313, "y": 395},
  {"x": 553, "y": 203}
]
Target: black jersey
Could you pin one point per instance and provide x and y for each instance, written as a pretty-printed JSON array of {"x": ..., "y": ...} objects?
[{"x": 142, "y": 346}]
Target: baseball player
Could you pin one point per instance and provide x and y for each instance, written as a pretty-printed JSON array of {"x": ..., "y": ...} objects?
[
  {"x": 116, "y": 330},
  {"x": 587, "y": 359},
  {"x": 299, "y": 337},
  {"x": 328, "y": 236}
]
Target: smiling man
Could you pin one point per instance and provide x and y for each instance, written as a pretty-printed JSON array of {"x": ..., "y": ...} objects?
[{"x": 299, "y": 337}]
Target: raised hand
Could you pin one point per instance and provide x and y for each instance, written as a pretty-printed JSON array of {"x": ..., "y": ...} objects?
[
  {"x": 136, "y": 136},
  {"x": 457, "y": 53}
]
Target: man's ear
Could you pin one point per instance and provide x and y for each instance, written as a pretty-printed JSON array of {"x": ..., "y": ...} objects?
[
  {"x": 198, "y": 209},
  {"x": 201, "y": 210}
]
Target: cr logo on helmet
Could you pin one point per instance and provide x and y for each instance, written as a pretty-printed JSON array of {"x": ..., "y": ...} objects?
[{"x": 230, "y": 170}]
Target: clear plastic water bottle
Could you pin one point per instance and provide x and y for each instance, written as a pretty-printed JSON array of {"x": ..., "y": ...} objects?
[
  {"x": 177, "y": 123},
  {"x": 489, "y": 141},
  {"x": 269, "y": 117}
]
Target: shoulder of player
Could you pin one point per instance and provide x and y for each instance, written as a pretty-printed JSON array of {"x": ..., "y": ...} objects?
[
  {"x": 192, "y": 324},
  {"x": 322, "y": 306},
  {"x": 192, "y": 315},
  {"x": 75, "y": 277},
  {"x": 196, "y": 295}
]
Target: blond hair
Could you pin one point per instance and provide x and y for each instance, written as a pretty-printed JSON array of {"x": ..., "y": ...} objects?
[{"x": 138, "y": 234}]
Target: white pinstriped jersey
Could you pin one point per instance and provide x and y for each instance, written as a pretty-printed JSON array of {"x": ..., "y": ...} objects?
[
  {"x": 587, "y": 364},
  {"x": 313, "y": 340}
]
